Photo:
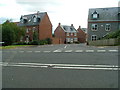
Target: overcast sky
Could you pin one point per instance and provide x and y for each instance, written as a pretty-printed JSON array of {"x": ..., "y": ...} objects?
[{"x": 66, "y": 12}]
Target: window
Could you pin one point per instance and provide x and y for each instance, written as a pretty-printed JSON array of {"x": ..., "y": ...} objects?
[
  {"x": 67, "y": 39},
  {"x": 95, "y": 15},
  {"x": 94, "y": 27},
  {"x": 107, "y": 27},
  {"x": 34, "y": 29},
  {"x": 27, "y": 30},
  {"x": 75, "y": 39},
  {"x": 71, "y": 34},
  {"x": 34, "y": 19},
  {"x": 75, "y": 34},
  {"x": 93, "y": 37},
  {"x": 67, "y": 34}
]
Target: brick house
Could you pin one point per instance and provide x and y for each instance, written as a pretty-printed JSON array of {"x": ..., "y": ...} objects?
[
  {"x": 102, "y": 21},
  {"x": 39, "y": 23},
  {"x": 67, "y": 34}
]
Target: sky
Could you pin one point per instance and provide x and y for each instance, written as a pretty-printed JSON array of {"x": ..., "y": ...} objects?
[{"x": 66, "y": 12}]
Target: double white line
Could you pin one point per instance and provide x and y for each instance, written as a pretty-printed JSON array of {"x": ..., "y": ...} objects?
[{"x": 62, "y": 66}]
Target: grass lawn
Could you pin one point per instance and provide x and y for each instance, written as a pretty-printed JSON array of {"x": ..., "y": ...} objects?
[{"x": 13, "y": 46}]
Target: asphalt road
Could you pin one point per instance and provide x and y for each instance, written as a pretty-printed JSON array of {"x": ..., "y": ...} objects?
[{"x": 60, "y": 66}]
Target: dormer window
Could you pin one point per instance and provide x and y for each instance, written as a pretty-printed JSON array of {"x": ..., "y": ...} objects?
[
  {"x": 23, "y": 19},
  {"x": 35, "y": 18},
  {"x": 95, "y": 15}
]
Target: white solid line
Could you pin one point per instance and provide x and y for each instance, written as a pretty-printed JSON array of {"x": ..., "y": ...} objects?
[
  {"x": 67, "y": 65},
  {"x": 101, "y": 50},
  {"x": 113, "y": 50},
  {"x": 68, "y": 51},
  {"x": 86, "y": 68},
  {"x": 89, "y": 50},
  {"x": 79, "y": 51}
]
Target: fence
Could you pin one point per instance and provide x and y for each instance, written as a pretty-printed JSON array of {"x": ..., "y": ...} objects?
[{"x": 106, "y": 42}]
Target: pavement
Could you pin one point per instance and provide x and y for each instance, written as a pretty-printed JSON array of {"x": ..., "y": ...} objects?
[{"x": 60, "y": 66}]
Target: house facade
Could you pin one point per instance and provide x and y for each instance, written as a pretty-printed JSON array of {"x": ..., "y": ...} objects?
[
  {"x": 81, "y": 34},
  {"x": 102, "y": 21},
  {"x": 38, "y": 23},
  {"x": 67, "y": 34}
]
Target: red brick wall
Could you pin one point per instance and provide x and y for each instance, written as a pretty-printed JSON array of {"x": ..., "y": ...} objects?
[
  {"x": 30, "y": 31},
  {"x": 81, "y": 36},
  {"x": 59, "y": 33},
  {"x": 56, "y": 41},
  {"x": 45, "y": 28}
]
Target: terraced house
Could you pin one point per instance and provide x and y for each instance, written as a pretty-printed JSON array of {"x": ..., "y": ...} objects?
[
  {"x": 38, "y": 23},
  {"x": 102, "y": 21}
]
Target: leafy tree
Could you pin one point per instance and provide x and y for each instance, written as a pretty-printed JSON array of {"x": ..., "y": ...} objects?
[
  {"x": 35, "y": 36},
  {"x": 115, "y": 34},
  {"x": 11, "y": 32}
]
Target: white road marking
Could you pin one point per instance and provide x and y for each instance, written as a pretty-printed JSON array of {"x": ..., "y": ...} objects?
[
  {"x": 89, "y": 50},
  {"x": 21, "y": 51},
  {"x": 64, "y": 66},
  {"x": 101, "y": 50},
  {"x": 65, "y": 46},
  {"x": 68, "y": 51},
  {"x": 57, "y": 51},
  {"x": 29, "y": 51},
  {"x": 36, "y": 51},
  {"x": 46, "y": 51},
  {"x": 79, "y": 51},
  {"x": 113, "y": 50}
]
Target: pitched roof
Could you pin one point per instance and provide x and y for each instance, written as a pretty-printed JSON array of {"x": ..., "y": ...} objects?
[
  {"x": 106, "y": 14},
  {"x": 30, "y": 17},
  {"x": 68, "y": 28}
]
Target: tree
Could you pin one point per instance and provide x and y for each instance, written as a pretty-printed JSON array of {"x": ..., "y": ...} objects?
[{"x": 11, "y": 32}]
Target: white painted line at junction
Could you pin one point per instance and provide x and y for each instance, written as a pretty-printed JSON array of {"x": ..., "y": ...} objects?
[
  {"x": 89, "y": 50},
  {"x": 101, "y": 50},
  {"x": 113, "y": 50},
  {"x": 68, "y": 51},
  {"x": 79, "y": 51}
]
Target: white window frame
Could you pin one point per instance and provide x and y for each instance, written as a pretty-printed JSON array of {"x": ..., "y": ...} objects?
[
  {"x": 95, "y": 16},
  {"x": 27, "y": 30},
  {"x": 93, "y": 27},
  {"x": 93, "y": 39},
  {"x": 67, "y": 34},
  {"x": 108, "y": 27}
]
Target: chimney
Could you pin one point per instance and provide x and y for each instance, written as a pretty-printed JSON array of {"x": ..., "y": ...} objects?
[
  {"x": 79, "y": 27},
  {"x": 71, "y": 25},
  {"x": 59, "y": 24}
]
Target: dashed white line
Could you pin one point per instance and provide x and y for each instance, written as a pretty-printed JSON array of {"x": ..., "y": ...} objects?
[
  {"x": 113, "y": 50},
  {"x": 21, "y": 51},
  {"x": 57, "y": 51},
  {"x": 29, "y": 51},
  {"x": 89, "y": 50},
  {"x": 101, "y": 50},
  {"x": 68, "y": 51},
  {"x": 46, "y": 51},
  {"x": 36, "y": 51},
  {"x": 65, "y": 46},
  {"x": 79, "y": 51}
]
